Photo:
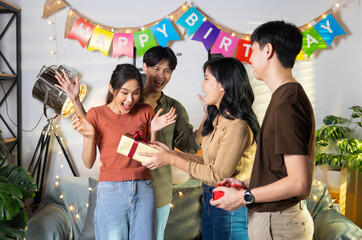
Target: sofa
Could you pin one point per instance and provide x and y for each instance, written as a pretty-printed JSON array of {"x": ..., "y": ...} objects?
[{"x": 66, "y": 212}]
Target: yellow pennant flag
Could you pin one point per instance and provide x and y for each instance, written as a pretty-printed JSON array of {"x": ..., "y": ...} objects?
[
  {"x": 300, "y": 56},
  {"x": 101, "y": 40}
]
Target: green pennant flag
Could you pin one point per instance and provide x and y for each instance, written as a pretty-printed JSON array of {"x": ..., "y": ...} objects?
[
  {"x": 312, "y": 40},
  {"x": 144, "y": 40}
]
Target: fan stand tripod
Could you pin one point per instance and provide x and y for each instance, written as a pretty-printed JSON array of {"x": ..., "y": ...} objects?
[{"x": 40, "y": 157}]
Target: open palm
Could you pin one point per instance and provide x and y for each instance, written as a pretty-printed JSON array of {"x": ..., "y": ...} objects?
[{"x": 159, "y": 122}]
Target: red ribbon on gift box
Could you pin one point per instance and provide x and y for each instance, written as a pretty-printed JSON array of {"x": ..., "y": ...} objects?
[{"x": 137, "y": 139}]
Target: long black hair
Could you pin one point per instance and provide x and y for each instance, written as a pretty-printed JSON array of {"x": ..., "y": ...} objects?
[
  {"x": 121, "y": 74},
  {"x": 238, "y": 97}
]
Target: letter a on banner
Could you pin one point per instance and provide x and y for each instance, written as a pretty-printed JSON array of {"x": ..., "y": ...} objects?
[
  {"x": 191, "y": 20},
  {"x": 225, "y": 44},
  {"x": 81, "y": 31},
  {"x": 143, "y": 41},
  {"x": 312, "y": 41},
  {"x": 101, "y": 40},
  {"x": 244, "y": 51},
  {"x": 164, "y": 32},
  {"x": 123, "y": 44},
  {"x": 328, "y": 28},
  {"x": 207, "y": 34}
]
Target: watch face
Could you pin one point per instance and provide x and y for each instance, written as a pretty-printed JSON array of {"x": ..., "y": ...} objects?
[{"x": 248, "y": 197}]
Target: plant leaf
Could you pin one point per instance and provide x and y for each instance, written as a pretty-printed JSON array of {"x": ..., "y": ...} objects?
[
  {"x": 333, "y": 120},
  {"x": 21, "y": 178}
]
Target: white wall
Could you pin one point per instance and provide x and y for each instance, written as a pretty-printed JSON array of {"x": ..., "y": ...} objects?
[{"x": 332, "y": 78}]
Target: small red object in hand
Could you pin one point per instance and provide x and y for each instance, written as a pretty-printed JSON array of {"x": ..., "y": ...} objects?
[{"x": 218, "y": 194}]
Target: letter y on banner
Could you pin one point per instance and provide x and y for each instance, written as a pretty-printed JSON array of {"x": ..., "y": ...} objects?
[
  {"x": 328, "y": 28},
  {"x": 164, "y": 32},
  {"x": 191, "y": 20}
]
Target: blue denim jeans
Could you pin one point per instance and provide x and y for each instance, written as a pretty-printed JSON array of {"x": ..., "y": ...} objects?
[
  {"x": 218, "y": 223},
  {"x": 162, "y": 217},
  {"x": 125, "y": 210}
]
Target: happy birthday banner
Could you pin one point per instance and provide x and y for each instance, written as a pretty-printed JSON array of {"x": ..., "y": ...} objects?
[{"x": 317, "y": 34}]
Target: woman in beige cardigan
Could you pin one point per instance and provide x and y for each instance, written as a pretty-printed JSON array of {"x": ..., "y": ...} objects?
[{"x": 228, "y": 146}]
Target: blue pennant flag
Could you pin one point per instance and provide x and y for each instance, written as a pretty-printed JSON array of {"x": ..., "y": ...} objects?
[
  {"x": 191, "y": 20},
  {"x": 164, "y": 32},
  {"x": 328, "y": 28}
]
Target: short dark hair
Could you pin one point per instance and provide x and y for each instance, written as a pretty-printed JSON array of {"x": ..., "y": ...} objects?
[
  {"x": 285, "y": 38},
  {"x": 156, "y": 54},
  {"x": 121, "y": 74},
  {"x": 238, "y": 97}
]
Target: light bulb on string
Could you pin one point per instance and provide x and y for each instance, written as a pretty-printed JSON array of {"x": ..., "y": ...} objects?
[{"x": 180, "y": 193}]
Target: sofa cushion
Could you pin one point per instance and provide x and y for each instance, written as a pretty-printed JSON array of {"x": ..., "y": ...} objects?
[
  {"x": 184, "y": 221},
  {"x": 329, "y": 223},
  {"x": 58, "y": 225}
]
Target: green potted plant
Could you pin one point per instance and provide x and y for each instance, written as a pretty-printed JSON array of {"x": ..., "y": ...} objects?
[
  {"x": 338, "y": 142},
  {"x": 16, "y": 185},
  {"x": 341, "y": 141}
]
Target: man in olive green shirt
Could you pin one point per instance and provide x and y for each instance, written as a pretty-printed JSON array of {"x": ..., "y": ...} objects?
[{"x": 158, "y": 65}]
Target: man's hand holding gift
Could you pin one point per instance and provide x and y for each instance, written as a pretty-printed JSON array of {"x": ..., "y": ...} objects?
[{"x": 233, "y": 194}]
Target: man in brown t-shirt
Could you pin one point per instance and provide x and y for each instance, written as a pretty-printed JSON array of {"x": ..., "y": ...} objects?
[{"x": 284, "y": 163}]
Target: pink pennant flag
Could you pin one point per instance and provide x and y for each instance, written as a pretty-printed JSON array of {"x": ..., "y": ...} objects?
[
  {"x": 225, "y": 44},
  {"x": 123, "y": 44},
  {"x": 81, "y": 31}
]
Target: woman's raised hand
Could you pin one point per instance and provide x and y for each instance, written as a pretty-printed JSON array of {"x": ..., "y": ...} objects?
[
  {"x": 81, "y": 125},
  {"x": 70, "y": 87},
  {"x": 159, "y": 122},
  {"x": 203, "y": 103}
]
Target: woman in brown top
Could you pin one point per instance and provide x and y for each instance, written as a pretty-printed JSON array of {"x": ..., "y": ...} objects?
[{"x": 228, "y": 146}]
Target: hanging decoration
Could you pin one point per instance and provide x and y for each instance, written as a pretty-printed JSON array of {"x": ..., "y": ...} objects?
[{"x": 110, "y": 41}]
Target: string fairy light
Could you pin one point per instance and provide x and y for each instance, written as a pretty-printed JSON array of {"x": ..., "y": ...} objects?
[{"x": 183, "y": 8}]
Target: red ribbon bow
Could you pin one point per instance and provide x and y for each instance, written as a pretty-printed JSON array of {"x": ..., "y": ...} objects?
[{"x": 137, "y": 136}]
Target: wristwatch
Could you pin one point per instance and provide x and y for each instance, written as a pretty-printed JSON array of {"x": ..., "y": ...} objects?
[{"x": 248, "y": 197}]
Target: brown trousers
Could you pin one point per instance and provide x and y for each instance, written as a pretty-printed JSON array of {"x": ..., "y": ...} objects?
[{"x": 292, "y": 223}]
